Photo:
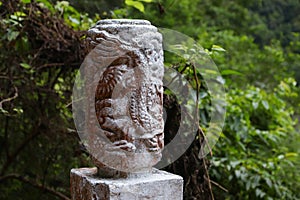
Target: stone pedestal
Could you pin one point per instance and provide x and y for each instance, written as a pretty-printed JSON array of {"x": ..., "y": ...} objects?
[{"x": 158, "y": 185}]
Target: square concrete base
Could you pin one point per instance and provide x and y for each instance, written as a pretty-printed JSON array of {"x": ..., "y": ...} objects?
[{"x": 158, "y": 185}]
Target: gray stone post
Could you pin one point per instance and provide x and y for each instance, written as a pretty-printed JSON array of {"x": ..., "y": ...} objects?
[{"x": 123, "y": 127}]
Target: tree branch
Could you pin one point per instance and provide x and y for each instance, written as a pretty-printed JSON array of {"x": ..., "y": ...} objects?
[
  {"x": 208, "y": 179},
  {"x": 10, "y": 98},
  {"x": 218, "y": 185}
]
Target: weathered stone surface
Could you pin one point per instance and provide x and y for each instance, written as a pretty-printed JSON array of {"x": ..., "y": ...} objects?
[
  {"x": 158, "y": 185},
  {"x": 124, "y": 119}
]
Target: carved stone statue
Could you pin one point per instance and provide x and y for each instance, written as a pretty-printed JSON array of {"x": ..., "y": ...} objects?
[{"x": 128, "y": 96}]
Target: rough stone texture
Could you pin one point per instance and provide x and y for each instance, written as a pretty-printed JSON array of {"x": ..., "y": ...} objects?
[
  {"x": 124, "y": 118},
  {"x": 158, "y": 185}
]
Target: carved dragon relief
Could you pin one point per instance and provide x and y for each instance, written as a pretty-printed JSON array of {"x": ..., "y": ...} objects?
[{"x": 128, "y": 99}]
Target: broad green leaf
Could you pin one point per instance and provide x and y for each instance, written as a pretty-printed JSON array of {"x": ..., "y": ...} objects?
[
  {"x": 25, "y": 65},
  {"x": 135, "y": 4},
  {"x": 210, "y": 71},
  {"x": 235, "y": 163},
  {"x": 217, "y": 48},
  {"x": 269, "y": 182},
  {"x": 291, "y": 154},
  {"x": 230, "y": 72},
  {"x": 237, "y": 173},
  {"x": 265, "y": 104}
]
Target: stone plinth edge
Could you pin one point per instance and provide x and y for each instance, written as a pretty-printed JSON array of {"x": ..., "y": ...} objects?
[{"x": 158, "y": 185}]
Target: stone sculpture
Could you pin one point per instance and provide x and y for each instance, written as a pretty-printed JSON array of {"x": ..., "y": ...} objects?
[{"x": 128, "y": 96}]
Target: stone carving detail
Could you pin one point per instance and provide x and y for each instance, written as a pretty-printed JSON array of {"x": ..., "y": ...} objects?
[{"x": 128, "y": 98}]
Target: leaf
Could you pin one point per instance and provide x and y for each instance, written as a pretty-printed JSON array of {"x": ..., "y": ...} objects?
[
  {"x": 18, "y": 110},
  {"x": 280, "y": 157},
  {"x": 135, "y": 4},
  {"x": 291, "y": 154},
  {"x": 265, "y": 104},
  {"x": 235, "y": 163},
  {"x": 18, "y": 16},
  {"x": 74, "y": 20},
  {"x": 217, "y": 48},
  {"x": 230, "y": 72},
  {"x": 25, "y": 65},
  {"x": 248, "y": 185},
  {"x": 259, "y": 193},
  {"x": 146, "y": 1},
  {"x": 210, "y": 71},
  {"x": 255, "y": 104},
  {"x": 237, "y": 173},
  {"x": 47, "y": 4},
  {"x": 13, "y": 35},
  {"x": 220, "y": 79},
  {"x": 269, "y": 182}
]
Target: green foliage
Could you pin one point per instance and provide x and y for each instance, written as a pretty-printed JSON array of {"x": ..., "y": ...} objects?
[
  {"x": 257, "y": 156},
  {"x": 137, "y": 4},
  {"x": 263, "y": 67},
  {"x": 38, "y": 144},
  {"x": 254, "y": 158},
  {"x": 247, "y": 29}
]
